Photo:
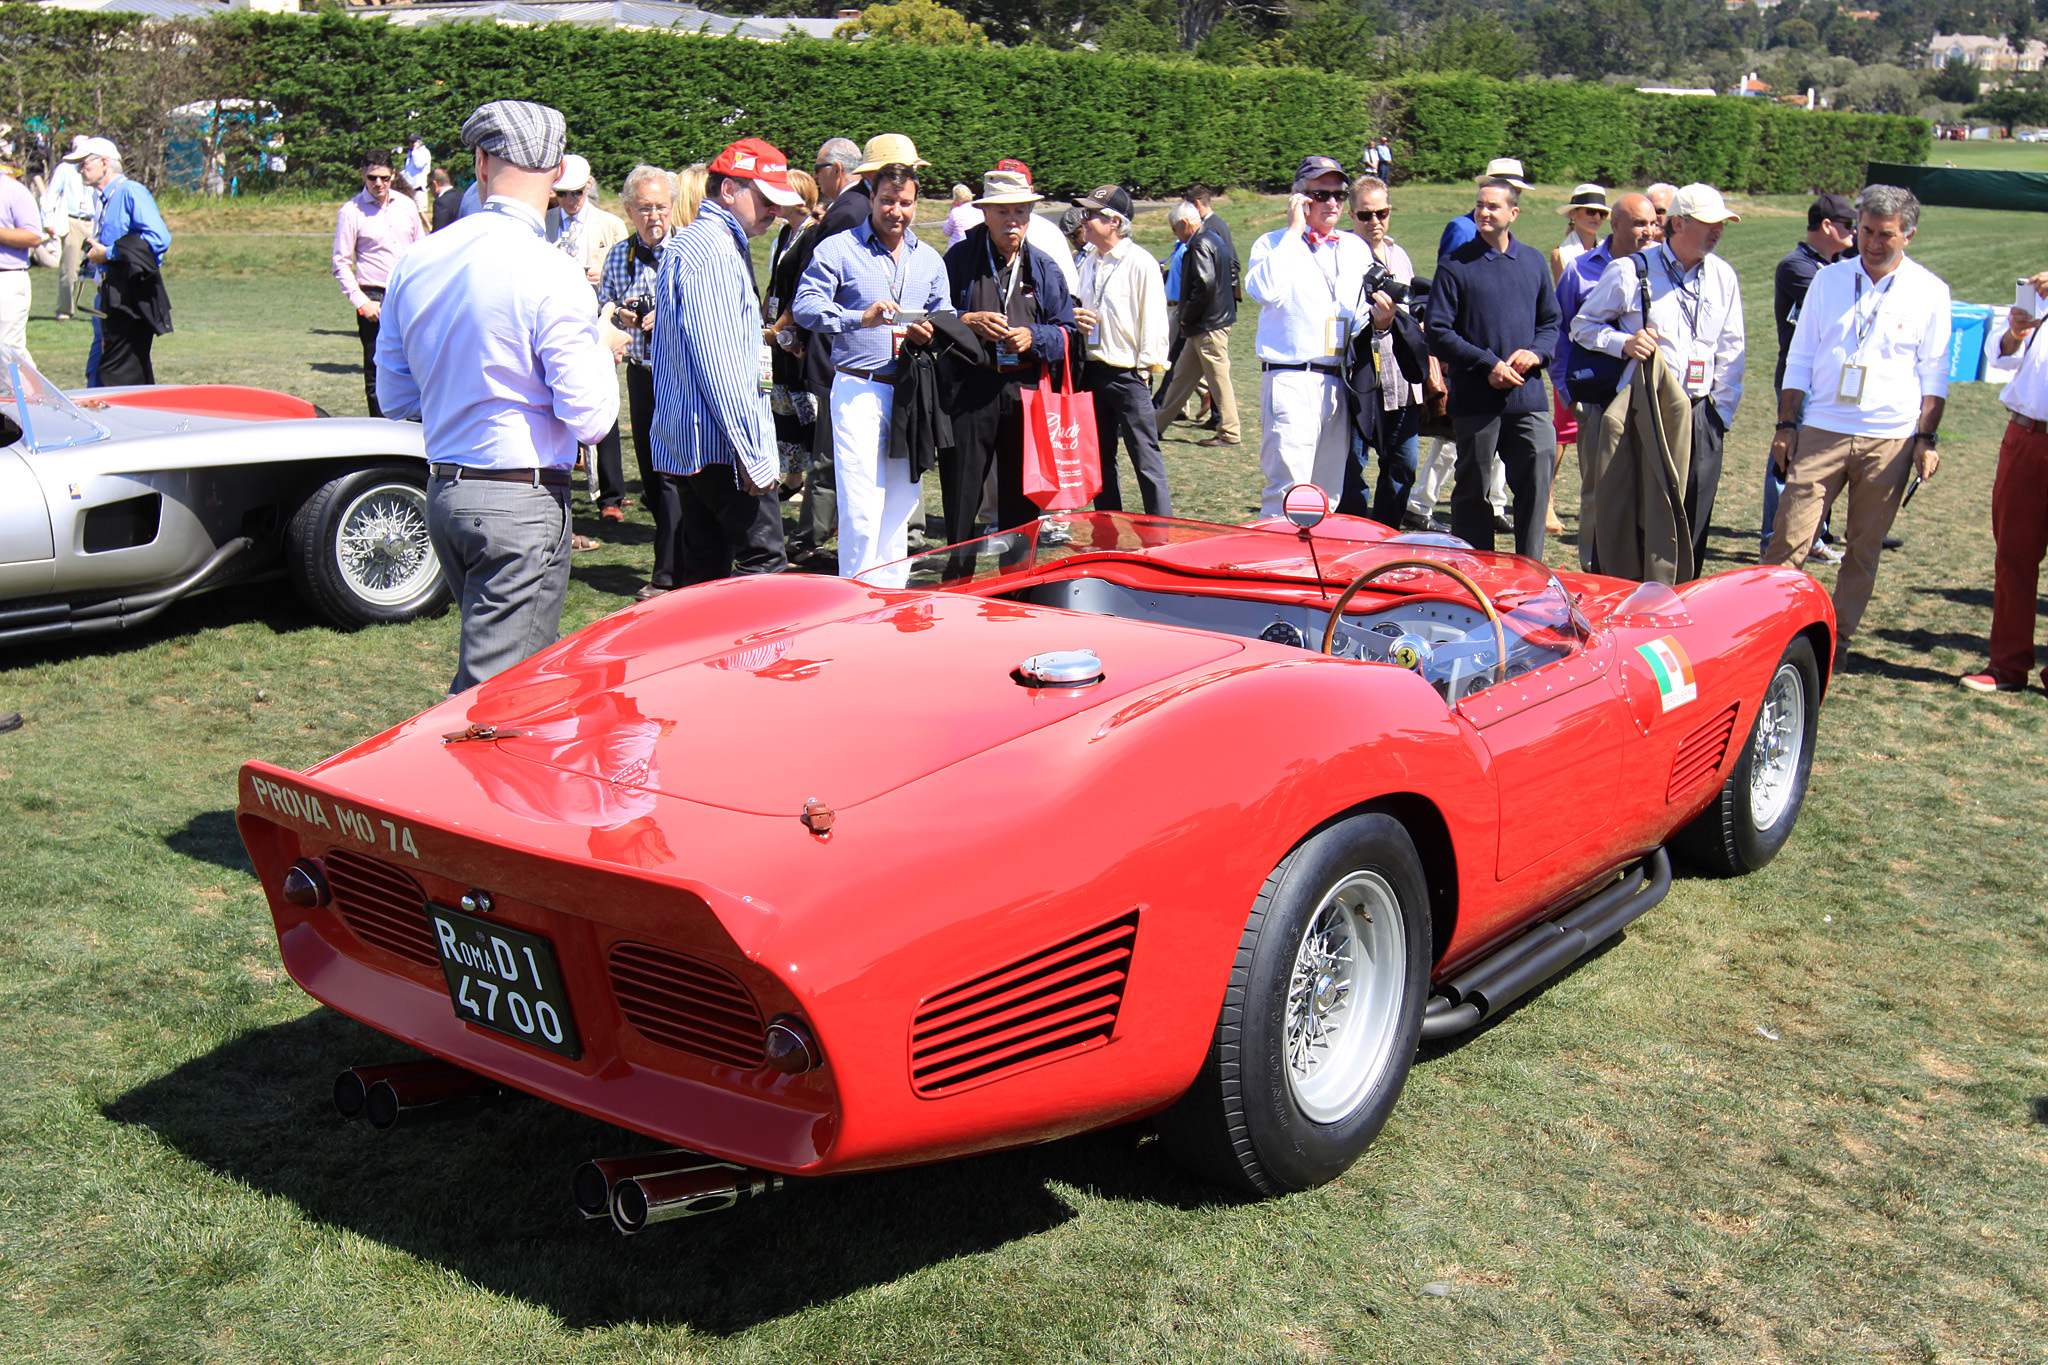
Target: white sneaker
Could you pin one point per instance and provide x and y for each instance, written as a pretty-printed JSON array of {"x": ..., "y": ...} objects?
[{"x": 1826, "y": 553}]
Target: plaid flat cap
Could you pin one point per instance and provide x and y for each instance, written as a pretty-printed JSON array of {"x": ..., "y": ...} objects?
[{"x": 528, "y": 135}]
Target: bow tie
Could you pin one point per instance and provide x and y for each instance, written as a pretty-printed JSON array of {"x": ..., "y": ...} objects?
[{"x": 1316, "y": 239}]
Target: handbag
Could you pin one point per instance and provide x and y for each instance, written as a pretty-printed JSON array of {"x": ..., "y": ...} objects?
[
  {"x": 1594, "y": 376},
  {"x": 47, "y": 253},
  {"x": 1062, "y": 458}
]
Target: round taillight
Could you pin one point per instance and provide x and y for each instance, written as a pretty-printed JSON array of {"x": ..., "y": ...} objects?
[
  {"x": 305, "y": 885},
  {"x": 790, "y": 1046}
]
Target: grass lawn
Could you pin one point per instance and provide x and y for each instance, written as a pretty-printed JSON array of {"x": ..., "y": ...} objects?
[
  {"x": 2008, "y": 155},
  {"x": 1801, "y": 1116}
]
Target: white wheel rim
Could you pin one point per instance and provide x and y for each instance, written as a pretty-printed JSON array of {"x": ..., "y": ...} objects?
[
  {"x": 1344, "y": 997},
  {"x": 381, "y": 547},
  {"x": 1780, "y": 742}
]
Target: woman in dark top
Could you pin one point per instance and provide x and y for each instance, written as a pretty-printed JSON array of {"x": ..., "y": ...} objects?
[{"x": 794, "y": 406}]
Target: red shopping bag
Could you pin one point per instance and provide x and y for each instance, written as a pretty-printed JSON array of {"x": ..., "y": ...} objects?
[{"x": 1062, "y": 460}]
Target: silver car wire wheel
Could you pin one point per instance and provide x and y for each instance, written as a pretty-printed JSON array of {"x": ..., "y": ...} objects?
[
  {"x": 1780, "y": 742},
  {"x": 381, "y": 546},
  {"x": 1344, "y": 997}
]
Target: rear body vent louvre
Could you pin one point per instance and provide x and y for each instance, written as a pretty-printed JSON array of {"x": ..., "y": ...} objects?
[
  {"x": 385, "y": 907},
  {"x": 687, "y": 1004},
  {"x": 1057, "y": 1002},
  {"x": 1701, "y": 754}
]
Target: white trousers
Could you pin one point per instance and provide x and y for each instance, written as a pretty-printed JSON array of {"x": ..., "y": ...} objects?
[
  {"x": 1435, "y": 472},
  {"x": 1307, "y": 436},
  {"x": 14, "y": 301},
  {"x": 876, "y": 495}
]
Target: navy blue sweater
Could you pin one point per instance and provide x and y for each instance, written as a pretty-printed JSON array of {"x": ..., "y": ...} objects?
[{"x": 1485, "y": 305}]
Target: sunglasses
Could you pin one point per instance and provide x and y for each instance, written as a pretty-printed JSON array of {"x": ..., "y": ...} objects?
[
  {"x": 1372, "y": 215},
  {"x": 570, "y": 194},
  {"x": 376, "y": 179},
  {"x": 1324, "y": 196}
]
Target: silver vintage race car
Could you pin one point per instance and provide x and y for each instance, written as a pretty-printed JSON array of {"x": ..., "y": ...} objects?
[{"x": 115, "y": 503}]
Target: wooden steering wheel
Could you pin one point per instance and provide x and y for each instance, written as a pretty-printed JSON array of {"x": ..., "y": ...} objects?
[{"x": 1500, "y": 636}]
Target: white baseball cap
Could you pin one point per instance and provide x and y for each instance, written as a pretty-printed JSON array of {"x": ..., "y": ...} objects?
[
  {"x": 1702, "y": 204},
  {"x": 575, "y": 173},
  {"x": 92, "y": 146}
]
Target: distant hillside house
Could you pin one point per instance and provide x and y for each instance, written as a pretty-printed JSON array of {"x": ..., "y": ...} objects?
[{"x": 1984, "y": 53}]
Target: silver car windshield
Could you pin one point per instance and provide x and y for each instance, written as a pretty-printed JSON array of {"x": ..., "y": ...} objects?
[{"x": 48, "y": 419}]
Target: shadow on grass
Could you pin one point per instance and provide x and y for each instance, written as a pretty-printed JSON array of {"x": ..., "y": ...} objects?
[
  {"x": 270, "y": 600},
  {"x": 487, "y": 1197},
  {"x": 2040, "y": 1107},
  {"x": 210, "y": 837},
  {"x": 333, "y": 367}
]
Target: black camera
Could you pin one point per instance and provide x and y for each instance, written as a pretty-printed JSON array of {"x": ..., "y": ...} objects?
[
  {"x": 628, "y": 313},
  {"x": 1379, "y": 281}
]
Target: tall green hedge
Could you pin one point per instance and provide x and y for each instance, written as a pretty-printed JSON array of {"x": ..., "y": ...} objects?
[{"x": 342, "y": 85}]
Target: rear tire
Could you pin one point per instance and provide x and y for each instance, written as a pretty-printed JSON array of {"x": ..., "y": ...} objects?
[
  {"x": 358, "y": 549},
  {"x": 1320, "y": 1017},
  {"x": 1753, "y": 813}
]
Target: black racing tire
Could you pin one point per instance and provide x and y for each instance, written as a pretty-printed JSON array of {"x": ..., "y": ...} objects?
[
  {"x": 358, "y": 549},
  {"x": 1274, "y": 1110},
  {"x": 1753, "y": 813}
]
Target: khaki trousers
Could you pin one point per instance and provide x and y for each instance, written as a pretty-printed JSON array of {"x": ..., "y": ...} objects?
[
  {"x": 1873, "y": 470},
  {"x": 1206, "y": 355}
]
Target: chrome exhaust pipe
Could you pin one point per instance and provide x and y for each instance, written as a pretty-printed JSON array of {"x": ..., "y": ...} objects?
[
  {"x": 640, "y": 1200},
  {"x": 595, "y": 1179},
  {"x": 412, "y": 1091}
]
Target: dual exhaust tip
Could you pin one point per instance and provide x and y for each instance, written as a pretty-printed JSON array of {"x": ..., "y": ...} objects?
[{"x": 631, "y": 1191}]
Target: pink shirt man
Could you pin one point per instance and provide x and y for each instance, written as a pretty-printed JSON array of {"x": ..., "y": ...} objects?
[{"x": 369, "y": 237}]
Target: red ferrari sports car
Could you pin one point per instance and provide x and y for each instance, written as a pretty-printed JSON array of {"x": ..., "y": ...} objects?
[{"x": 1119, "y": 816}]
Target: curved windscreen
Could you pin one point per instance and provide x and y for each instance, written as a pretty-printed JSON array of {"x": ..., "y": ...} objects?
[{"x": 48, "y": 419}]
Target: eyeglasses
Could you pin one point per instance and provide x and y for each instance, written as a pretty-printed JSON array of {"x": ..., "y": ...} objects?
[
  {"x": 570, "y": 194},
  {"x": 1844, "y": 224},
  {"x": 1324, "y": 196},
  {"x": 376, "y": 179},
  {"x": 1101, "y": 216},
  {"x": 1372, "y": 215}
]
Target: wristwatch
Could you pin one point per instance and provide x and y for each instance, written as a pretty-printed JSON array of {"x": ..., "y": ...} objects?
[{"x": 1928, "y": 436}]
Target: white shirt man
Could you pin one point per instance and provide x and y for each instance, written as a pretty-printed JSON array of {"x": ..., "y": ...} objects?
[
  {"x": 1123, "y": 314},
  {"x": 69, "y": 207},
  {"x": 1309, "y": 281},
  {"x": 584, "y": 232},
  {"x": 1695, "y": 320},
  {"x": 1865, "y": 384}
]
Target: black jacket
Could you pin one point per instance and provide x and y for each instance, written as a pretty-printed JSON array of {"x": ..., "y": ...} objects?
[
  {"x": 447, "y": 207},
  {"x": 919, "y": 427},
  {"x": 1215, "y": 228},
  {"x": 852, "y": 205},
  {"x": 134, "y": 285},
  {"x": 1207, "y": 302},
  {"x": 1411, "y": 353}
]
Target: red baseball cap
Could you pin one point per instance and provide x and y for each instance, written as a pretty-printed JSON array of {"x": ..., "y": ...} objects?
[
  {"x": 752, "y": 159},
  {"x": 1011, "y": 163}
]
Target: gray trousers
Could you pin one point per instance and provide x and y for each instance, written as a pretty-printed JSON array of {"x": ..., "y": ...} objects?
[
  {"x": 504, "y": 551},
  {"x": 1526, "y": 443}
]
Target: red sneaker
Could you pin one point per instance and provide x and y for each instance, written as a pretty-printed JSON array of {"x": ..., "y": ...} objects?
[{"x": 1988, "y": 682}]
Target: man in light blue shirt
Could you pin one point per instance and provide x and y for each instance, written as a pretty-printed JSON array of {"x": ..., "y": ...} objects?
[
  {"x": 713, "y": 430},
  {"x": 126, "y": 249},
  {"x": 69, "y": 207},
  {"x": 849, "y": 296},
  {"x": 492, "y": 338}
]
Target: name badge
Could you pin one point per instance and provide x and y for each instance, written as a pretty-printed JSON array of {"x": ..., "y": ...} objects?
[
  {"x": 1851, "y": 390},
  {"x": 896, "y": 341},
  {"x": 1695, "y": 373},
  {"x": 767, "y": 362},
  {"x": 1337, "y": 335}
]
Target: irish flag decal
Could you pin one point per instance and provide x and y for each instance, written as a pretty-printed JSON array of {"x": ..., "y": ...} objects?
[{"x": 1675, "y": 682}]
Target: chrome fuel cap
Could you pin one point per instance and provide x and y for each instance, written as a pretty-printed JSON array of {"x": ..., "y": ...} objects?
[{"x": 1060, "y": 668}]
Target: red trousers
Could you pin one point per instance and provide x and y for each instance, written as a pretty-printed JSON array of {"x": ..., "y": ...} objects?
[{"x": 2019, "y": 527}]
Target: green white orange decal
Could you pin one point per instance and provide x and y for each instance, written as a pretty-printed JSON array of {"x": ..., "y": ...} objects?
[{"x": 1675, "y": 681}]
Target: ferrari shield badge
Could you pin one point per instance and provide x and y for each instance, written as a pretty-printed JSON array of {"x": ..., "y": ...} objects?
[{"x": 1675, "y": 681}]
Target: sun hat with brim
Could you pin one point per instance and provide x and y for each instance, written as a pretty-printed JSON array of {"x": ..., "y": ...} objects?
[
  {"x": 1588, "y": 196},
  {"x": 1702, "y": 204},
  {"x": 1505, "y": 168},
  {"x": 92, "y": 146},
  {"x": 528, "y": 135},
  {"x": 1006, "y": 187},
  {"x": 1113, "y": 198},
  {"x": 575, "y": 174},
  {"x": 752, "y": 159},
  {"x": 888, "y": 149}
]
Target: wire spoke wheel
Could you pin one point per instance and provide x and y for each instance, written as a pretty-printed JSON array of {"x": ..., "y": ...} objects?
[
  {"x": 1343, "y": 997},
  {"x": 1780, "y": 743},
  {"x": 381, "y": 547}
]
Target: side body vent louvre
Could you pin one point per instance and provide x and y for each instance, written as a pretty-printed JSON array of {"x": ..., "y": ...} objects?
[
  {"x": 1701, "y": 754},
  {"x": 1058, "y": 1001},
  {"x": 385, "y": 907},
  {"x": 688, "y": 1004}
]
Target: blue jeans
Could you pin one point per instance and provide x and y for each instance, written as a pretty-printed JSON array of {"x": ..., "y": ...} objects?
[{"x": 1397, "y": 471}]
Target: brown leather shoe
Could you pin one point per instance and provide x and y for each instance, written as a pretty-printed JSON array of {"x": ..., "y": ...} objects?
[{"x": 1219, "y": 441}]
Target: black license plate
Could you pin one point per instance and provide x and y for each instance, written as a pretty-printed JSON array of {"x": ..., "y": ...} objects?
[{"x": 505, "y": 979}]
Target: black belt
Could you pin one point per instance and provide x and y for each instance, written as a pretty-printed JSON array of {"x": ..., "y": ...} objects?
[
  {"x": 537, "y": 478},
  {"x": 1303, "y": 365},
  {"x": 872, "y": 376},
  {"x": 2027, "y": 423}
]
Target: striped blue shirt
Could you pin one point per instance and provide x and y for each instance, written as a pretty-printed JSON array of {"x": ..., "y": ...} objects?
[
  {"x": 708, "y": 404},
  {"x": 851, "y": 270}
]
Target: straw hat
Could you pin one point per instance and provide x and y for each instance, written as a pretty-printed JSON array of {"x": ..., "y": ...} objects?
[
  {"x": 888, "y": 149},
  {"x": 1587, "y": 196}
]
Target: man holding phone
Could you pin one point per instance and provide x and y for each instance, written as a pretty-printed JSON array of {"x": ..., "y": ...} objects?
[
  {"x": 1309, "y": 280},
  {"x": 867, "y": 293}
]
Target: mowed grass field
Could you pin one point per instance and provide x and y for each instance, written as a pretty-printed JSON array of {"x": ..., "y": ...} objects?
[{"x": 1801, "y": 1116}]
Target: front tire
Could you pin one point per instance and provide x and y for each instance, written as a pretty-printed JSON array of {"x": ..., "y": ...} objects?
[
  {"x": 358, "y": 549},
  {"x": 1753, "y": 813},
  {"x": 1320, "y": 1017}
]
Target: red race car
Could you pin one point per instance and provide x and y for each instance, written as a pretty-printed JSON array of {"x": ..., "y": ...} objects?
[{"x": 1114, "y": 816}]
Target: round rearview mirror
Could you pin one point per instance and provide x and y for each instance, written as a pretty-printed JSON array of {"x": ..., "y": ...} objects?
[{"x": 1306, "y": 505}]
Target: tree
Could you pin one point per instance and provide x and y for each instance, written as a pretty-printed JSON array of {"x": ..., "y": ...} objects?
[
  {"x": 1332, "y": 35},
  {"x": 1795, "y": 33},
  {"x": 926, "y": 23},
  {"x": 1143, "y": 26},
  {"x": 1957, "y": 82},
  {"x": 1478, "y": 43},
  {"x": 2012, "y": 106},
  {"x": 1881, "y": 89}
]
